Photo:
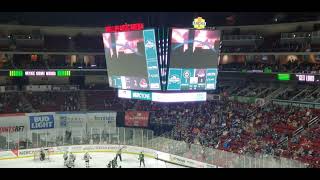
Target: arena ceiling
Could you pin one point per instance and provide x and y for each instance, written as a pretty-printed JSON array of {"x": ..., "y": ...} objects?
[{"x": 100, "y": 19}]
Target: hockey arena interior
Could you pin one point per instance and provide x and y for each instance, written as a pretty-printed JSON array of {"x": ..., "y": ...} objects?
[{"x": 143, "y": 95}]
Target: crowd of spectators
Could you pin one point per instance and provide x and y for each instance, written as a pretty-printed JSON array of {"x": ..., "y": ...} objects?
[
  {"x": 273, "y": 46},
  {"x": 53, "y": 101},
  {"x": 10, "y": 103},
  {"x": 232, "y": 126}
]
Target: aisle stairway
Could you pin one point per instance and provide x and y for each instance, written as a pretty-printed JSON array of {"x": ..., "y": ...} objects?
[{"x": 83, "y": 101}]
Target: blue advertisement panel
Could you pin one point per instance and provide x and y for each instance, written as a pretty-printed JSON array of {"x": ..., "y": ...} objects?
[
  {"x": 41, "y": 122},
  {"x": 174, "y": 79}
]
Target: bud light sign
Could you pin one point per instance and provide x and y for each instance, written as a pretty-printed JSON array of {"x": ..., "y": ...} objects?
[{"x": 42, "y": 122}]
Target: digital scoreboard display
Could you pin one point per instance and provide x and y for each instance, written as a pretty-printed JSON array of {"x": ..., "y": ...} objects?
[
  {"x": 132, "y": 60},
  {"x": 194, "y": 56}
]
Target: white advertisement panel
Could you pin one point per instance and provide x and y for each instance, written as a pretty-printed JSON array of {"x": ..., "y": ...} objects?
[
  {"x": 179, "y": 97},
  {"x": 15, "y": 124},
  {"x": 105, "y": 121},
  {"x": 124, "y": 94},
  {"x": 166, "y": 97}
]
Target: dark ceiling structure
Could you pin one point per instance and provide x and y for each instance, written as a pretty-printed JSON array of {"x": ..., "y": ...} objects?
[{"x": 100, "y": 19}]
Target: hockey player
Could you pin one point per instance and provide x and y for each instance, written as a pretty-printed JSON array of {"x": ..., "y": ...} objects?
[
  {"x": 86, "y": 158},
  {"x": 141, "y": 159},
  {"x": 71, "y": 160},
  {"x": 65, "y": 157},
  {"x": 119, "y": 154},
  {"x": 73, "y": 157},
  {"x": 114, "y": 163},
  {"x": 109, "y": 164},
  {"x": 42, "y": 154}
]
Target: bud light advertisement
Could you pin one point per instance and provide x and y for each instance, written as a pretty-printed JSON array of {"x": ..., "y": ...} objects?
[{"x": 41, "y": 122}]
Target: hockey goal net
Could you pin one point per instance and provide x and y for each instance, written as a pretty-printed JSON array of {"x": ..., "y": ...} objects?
[{"x": 46, "y": 152}]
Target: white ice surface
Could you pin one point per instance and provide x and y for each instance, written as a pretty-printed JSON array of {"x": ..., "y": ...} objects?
[{"x": 99, "y": 160}]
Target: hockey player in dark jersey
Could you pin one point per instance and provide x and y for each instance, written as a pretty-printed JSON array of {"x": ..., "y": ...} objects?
[
  {"x": 42, "y": 155},
  {"x": 119, "y": 154},
  {"x": 109, "y": 164},
  {"x": 115, "y": 162},
  {"x": 141, "y": 159}
]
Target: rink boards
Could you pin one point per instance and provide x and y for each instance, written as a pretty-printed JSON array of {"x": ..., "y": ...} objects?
[{"x": 150, "y": 153}]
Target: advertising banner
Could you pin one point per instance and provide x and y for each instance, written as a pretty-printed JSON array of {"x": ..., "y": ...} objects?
[
  {"x": 179, "y": 97},
  {"x": 41, "y": 122},
  {"x": 137, "y": 118},
  {"x": 102, "y": 120},
  {"x": 141, "y": 95}
]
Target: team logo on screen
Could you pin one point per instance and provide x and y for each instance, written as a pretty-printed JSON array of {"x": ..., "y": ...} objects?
[
  {"x": 201, "y": 73},
  {"x": 186, "y": 74},
  {"x": 174, "y": 79},
  {"x": 149, "y": 44},
  {"x": 199, "y": 23},
  {"x": 143, "y": 83}
]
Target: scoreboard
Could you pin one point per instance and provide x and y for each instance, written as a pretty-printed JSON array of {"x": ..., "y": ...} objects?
[
  {"x": 192, "y": 79},
  {"x": 132, "y": 59},
  {"x": 193, "y": 62}
]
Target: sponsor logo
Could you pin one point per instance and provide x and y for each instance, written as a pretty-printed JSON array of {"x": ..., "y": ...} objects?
[
  {"x": 174, "y": 79},
  {"x": 211, "y": 74},
  {"x": 199, "y": 23},
  {"x": 211, "y": 86},
  {"x": 105, "y": 118},
  {"x": 138, "y": 95},
  {"x": 11, "y": 129},
  {"x": 149, "y": 44},
  {"x": 154, "y": 85},
  {"x": 201, "y": 73},
  {"x": 143, "y": 83},
  {"x": 153, "y": 75},
  {"x": 42, "y": 122},
  {"x": 152, "y": 67}
]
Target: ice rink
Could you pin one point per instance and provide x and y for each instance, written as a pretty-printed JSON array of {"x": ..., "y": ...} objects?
[{"x": 99, "y": 160}]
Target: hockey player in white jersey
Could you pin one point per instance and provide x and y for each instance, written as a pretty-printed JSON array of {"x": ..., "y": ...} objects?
[
  {"x": 71, "y": 160},
  {"x": 65, "y": 157},
  {"x": 87, "y": 158}
]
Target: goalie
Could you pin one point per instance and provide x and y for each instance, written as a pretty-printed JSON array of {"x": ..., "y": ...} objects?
[{"x": 71, "y": 160}]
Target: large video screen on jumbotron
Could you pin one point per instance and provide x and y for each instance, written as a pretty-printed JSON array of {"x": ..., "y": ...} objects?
[
  {"x": 132, "y": 61},
  {"x": 194, "y": 56}
]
